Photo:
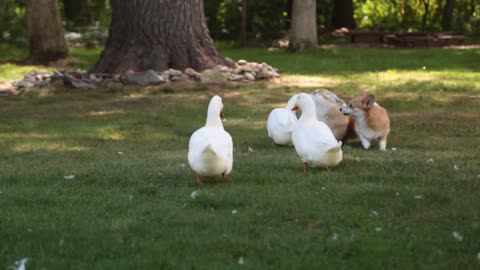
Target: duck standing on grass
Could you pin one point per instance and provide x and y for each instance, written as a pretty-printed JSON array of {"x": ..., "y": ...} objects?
[
  {"x": 313, "y": 140},
  {"x": 280, "y": 123},
  {"x": 210, "y": 150}
]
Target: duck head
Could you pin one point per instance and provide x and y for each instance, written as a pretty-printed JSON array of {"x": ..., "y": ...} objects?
[
  {"x": 215, "y": 112},
  {"x": 305, "y": 103},
  {"x": 291, "y": 102}
]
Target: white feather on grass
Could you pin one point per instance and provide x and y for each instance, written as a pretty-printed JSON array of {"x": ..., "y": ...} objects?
[
  {"x": 195, "y": 194},
  {"x": 457, "y": 236},
  {"x": 20, "y": 265}
]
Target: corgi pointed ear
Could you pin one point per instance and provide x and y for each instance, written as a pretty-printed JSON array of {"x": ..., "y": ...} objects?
[{"x": 368, "y": 101}]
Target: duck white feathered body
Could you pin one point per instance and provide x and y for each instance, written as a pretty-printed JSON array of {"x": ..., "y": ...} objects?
[
  {"x": 210, "y": 150},
  {"x": 280, "y": 123},
  {"x": 313, "y": 140}
]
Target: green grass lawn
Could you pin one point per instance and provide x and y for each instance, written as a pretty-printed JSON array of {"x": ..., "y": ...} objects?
[{"x": 129, "y": 205}]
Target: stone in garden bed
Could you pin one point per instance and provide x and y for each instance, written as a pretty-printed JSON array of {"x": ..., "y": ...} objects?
[
  {"x": 242, "y": 71},
  {"x": 7, "y": 89},
  {"x": 148, "y": 77}
]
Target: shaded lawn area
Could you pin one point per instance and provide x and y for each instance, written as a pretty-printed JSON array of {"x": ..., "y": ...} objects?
[
  {"x": 344, "y": 61},
  {"x": 129, "y": 205}
]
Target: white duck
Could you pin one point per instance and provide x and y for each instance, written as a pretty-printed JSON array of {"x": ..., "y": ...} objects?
[
  {"x": 313, "y": 139},
  {"x": 210, "y": 150},
  {"x": 328, "y": 106},
  {"x": 280, "y": 123}
]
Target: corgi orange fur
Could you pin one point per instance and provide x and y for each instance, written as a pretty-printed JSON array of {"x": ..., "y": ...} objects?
[{"x": 371, "y": 120}]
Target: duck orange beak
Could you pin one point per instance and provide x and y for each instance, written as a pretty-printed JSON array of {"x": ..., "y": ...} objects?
[
  {"x": 222, "y": 115},
  {"x": 295, "y": 107}
]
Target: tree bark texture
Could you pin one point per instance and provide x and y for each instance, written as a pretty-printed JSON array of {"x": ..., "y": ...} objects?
[
  {"x": 343, "y": 14},
  {"x": 158, "y": 34},
  {"x": 303, "y": 33},
  {"x": 448, "y": 15},
  {"x": 77, "y": 11},
  {"x": 45, "y": 32}
]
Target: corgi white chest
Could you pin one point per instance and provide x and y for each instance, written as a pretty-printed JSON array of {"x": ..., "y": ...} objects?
[{"x": 364, "y": 130}]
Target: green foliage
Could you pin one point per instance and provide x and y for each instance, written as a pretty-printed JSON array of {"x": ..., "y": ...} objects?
[
  {"x": 324, "y": 13},
  {"x": 414, "y": 15},
  {"x": 12, "y": 25},
  {"x": 269, "y": 20},
  {"x": 398, "y": 15},
  {"x": 93, "y": 35},
  {"x": 129, "y": 206},
  {"x": 467, "y": 19},
  {"x": 266, "y": 19},
  {"x": 100, "y": 11}
]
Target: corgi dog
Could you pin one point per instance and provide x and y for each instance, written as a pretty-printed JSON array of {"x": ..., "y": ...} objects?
[
  {"x": 371, "y": 120},
  {"x": 327, "y": 106}
]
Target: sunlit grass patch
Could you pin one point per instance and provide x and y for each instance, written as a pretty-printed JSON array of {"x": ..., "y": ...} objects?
[
  {"x": 46, "y": 146},
  {"x": 106, "y": 112},
  {"x": 110, "y": 133},
  {"x": 12, "y": 68},
  {"x": 14, "y": 71}
]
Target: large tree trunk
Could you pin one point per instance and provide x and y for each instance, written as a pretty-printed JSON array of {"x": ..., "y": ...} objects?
[
  {"x": 343, "y": 14},
  {"x": 45, "y": 32},
  {"x": 448, "y": 15},
  {"x": 158, "y": 34},
  {"x": 303, "y": 33},
  {"x": 77, "y": 11}
]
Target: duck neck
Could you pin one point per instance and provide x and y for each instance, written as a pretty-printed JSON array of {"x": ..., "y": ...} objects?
[
  {"x": 214, "y": 120},
  {"x": 308, "y": 114}
]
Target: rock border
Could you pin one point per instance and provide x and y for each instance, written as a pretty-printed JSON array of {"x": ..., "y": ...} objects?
[{"x": 242, "y": 72}]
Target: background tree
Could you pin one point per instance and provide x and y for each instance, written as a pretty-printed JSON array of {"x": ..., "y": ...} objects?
[
  {"x": 343, "y": 14},
  {"x": 101, "y": 11},
  {"x": 152, "y": 34},
  {"x": 448, "y": 15},
  {"x": 243, "y": 40},
  {"x": 303, "y": 33},
  {"x": 77, "y": 11},
  {"x": 289, "y": 14},
  {"x": 45, "y": 31},
  {"x": 12, "y": 22},
  {"x": 270, "y": 20},
  {"x": 426, "y": 13},
  {"x": 266, "y": 20}
]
